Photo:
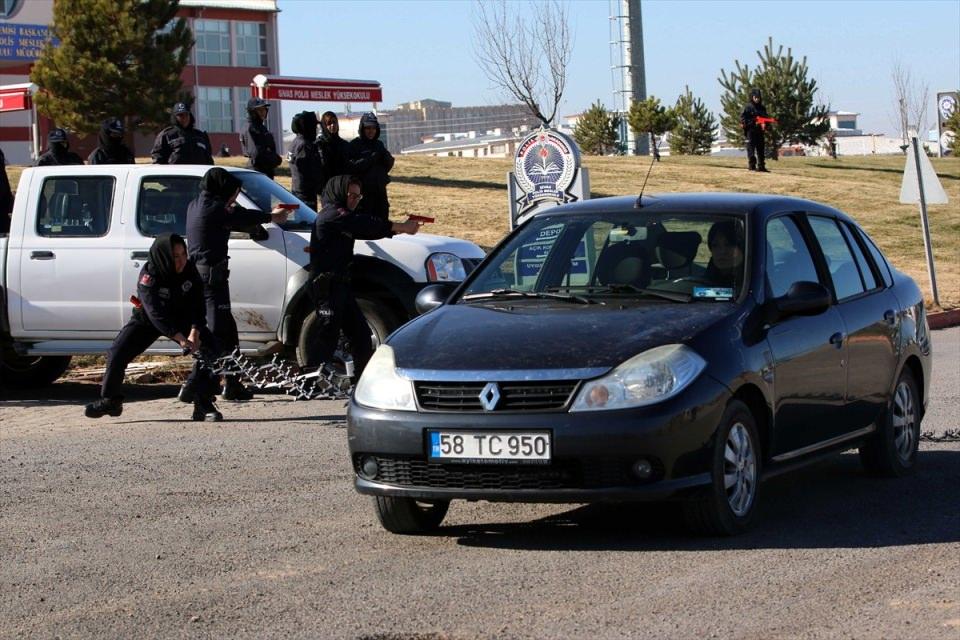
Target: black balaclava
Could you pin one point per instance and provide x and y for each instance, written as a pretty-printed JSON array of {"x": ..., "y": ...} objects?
[
  {"x": 220, "y": 183},
  {"x": 105, "y": 139},
  {"x": 161, "y": 255},
  {"x": 335, "y": 192},
  {"x": 305, "y": 124},
  {"x": 756, "y": 93}
]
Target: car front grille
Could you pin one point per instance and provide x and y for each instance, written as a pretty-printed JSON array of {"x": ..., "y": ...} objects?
[
  {"x": 514, "y": 396},
  {"x": 592, "y": 473}
]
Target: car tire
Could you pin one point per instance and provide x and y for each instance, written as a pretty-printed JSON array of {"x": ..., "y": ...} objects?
[
  {"x": 727, "y": 506},
  {"x": 30, "y": 372},
  {"x": 892, "y": 449},
  {"x": 409, "y": 516},
  {"x": 378, "y": 316}
]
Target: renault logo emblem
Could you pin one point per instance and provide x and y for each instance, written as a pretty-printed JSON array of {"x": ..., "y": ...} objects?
[{"x": 490, "y": 396}]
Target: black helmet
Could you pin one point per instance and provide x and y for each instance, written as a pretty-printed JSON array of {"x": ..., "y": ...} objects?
[
  {"x": 256, "y": 103},
  {"x": 755, "y": 93},
  {"x": 180, "y": 107},
  {"x": 57, "y": 135},
  {"x": 114, "y": 126}
]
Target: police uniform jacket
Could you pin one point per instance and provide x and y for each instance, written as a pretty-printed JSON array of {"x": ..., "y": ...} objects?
[
  {"x": 259, "y": 145},
  {"x": 171, "y": 302},
  {"x": 748, "y": 118},
  {"x": 110, "y": 150},
  {"x": 58, "y": 154},
  {"x": 182, "y": 145},
  {"x": 334, "y": 153},
  {"x": 336, "y": 227},
  {"x": 306, "y": 169}
]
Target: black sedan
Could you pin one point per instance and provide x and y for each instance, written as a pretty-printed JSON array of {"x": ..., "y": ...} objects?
[{"x": 677, "y": 347}]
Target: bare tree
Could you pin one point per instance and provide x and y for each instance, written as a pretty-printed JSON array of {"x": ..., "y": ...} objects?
[
  {"x": 911, "y": 97},
  {"x": 525, "y": 55}
]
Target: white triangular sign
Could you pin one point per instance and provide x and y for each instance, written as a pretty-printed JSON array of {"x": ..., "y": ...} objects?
[{"x": 933, "y": 191}]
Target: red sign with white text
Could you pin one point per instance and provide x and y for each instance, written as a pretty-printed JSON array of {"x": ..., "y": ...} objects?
[
  {"x": 320, "y": 90},
  {"x": 15, "y": 101}
]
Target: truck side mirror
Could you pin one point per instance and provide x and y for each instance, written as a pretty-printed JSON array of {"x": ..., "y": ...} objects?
[{"x": 434, "y": 295}]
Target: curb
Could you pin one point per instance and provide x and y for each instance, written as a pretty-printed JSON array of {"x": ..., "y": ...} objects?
[{"x": 944, "y": 319}]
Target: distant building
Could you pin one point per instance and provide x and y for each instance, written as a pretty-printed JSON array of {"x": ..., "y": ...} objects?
[
  {"x": 844, "y": 123},
  {"x": 493, "y": 144}
]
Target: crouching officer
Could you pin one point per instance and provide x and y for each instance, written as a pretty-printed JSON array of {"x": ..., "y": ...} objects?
[
  {"x": 210, "y": 219},
  {"x": 169, "y": 303},
  {"x": 331, "y": 252},
  {"x": 256, "y": 141}
]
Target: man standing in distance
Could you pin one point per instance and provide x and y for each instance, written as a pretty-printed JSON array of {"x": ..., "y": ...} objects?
[
  {"x": 181, "y": 142},
  {"x": 753, "y": 131},
  {"x": 256, "y": 141},
  {"x": 371, "y": 161}
]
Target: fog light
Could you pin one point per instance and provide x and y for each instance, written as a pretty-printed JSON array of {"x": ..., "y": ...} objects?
[
  {"x": 369, "y": 467},
  {"x": 642, "y": 468}
]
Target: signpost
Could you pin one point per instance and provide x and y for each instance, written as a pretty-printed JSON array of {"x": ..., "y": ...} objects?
[
  {"x": 546, "y": 173},
  {"x": 19, "y": 97}
]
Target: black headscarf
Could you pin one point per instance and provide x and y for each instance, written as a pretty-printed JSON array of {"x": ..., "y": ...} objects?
[
  {"x": 161, "y": 256},
  {"x": 335, "y": 192},
  {"x": 305, "y": 123},
  {"x": 220, "y": 183}
]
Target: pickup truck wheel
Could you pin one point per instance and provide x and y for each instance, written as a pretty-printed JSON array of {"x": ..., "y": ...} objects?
[
  {"x": 378, "y": 315},
  {"x": 27, "y": 372}
]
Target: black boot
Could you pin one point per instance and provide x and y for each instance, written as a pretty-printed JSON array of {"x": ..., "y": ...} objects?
[
  {"x": 104, "y": 407},
  {"x": 205, "y": 411},
  {"x": 234, "y": 390},
  {"x": 186, "y": 393}
]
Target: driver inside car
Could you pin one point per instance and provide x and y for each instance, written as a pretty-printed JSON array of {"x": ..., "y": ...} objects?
[{"x": 725, "y": 241}]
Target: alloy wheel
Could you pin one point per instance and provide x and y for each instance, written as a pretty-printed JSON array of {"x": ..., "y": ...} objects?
[
  {"x": 904, "y": 421},
  {"x": 739, "y": 470}
]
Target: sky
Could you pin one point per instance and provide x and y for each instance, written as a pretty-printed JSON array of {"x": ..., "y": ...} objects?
[{"x": 423, "y": 49}]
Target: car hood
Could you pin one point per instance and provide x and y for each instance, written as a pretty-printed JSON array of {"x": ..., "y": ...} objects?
[{"x": 531, "y": 335}]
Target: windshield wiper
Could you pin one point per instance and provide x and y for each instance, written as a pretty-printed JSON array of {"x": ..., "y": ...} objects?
[
  {"x": 674, "y": 296},
  {"x": 509, "y": 293}
]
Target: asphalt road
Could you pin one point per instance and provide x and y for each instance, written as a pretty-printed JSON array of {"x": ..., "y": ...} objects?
[{"x": 149, "y": 525}]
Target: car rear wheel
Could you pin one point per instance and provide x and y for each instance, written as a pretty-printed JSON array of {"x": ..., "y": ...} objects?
[
  {"x": 892, "y": 450},
  {"x": 727, "y": 507},
  {"x": 409, "y": 516}
]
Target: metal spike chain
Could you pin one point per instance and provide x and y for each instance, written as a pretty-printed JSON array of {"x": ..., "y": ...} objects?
[
  {"x": 950, "y": 435},
  {"x": 321, "y": 383}
]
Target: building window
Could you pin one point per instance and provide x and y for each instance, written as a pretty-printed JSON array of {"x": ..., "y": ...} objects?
[
  {"x": 251, "y": 44},
  {"x": 216, "y": 109},
  {"x": 846, "y": 124},
  {"x": 213, "y": 42}
]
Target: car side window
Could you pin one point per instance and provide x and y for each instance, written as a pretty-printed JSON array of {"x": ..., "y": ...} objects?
[
  {"x": 162, "y": 203},
  {"x": 72, "y": 206},
  {"x": 788, "y": 259},
  {"x": 844, "y": 272},
  {"x": 882, "y": 265},
  {"x": 868, "y": 278}
]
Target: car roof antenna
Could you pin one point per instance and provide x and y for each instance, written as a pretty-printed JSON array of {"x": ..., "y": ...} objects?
[{"x": 639, "y": 203}]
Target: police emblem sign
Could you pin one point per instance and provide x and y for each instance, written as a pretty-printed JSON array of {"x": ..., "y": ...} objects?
[{"x": 546, "y": 173}]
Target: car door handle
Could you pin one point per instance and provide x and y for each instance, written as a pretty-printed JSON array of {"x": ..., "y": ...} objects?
[
  {"x": 837, "y": 339},
  {"x": 889, "y": 316},
  {"x": 42, "y": 255},
  {"x": 139, "y": 255}
]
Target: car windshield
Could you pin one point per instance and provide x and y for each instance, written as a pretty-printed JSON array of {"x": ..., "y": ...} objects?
[
  {"x": 667, "y": 256},
  {"x": 265, "y": 194}
]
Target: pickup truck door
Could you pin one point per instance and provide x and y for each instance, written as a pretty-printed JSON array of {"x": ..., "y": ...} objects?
[
  {"x": 67, "y": 261},
  {"x": 258, "y": 270}
]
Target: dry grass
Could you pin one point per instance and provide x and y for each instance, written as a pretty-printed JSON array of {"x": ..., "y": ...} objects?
[{"x": 468, "y": 197}]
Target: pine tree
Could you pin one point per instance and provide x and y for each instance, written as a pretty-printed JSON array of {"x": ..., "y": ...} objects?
[
  {"x": 787, "y": 94},
  {"x": 596, "y": 131},
  {"x": 694, "y": 131},
  {"x": 648, "y": 116},
  {"x": 115, "y": 58}
]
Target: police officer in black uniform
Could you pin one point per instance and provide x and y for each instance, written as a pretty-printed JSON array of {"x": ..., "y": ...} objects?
[
  {"x": 306, "y": 170},
  {"x": 182, "y": 143},
  {"x": 368, "y": 158},
  {"x": 111, "y": 149},
  {"x": 331, "y": 252},
  {"x": 210, "y": 219},
  {"x": 169, "y": 303},
  {"x": 58, "y": 150},
  {"x": 334, "y": 150},
  {"x": 256, "y": 141},
  {"x": 753, "y": 131}
]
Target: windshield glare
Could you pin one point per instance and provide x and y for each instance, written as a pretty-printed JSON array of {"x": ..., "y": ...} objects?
[
  {"x": 621, "y": 255},
  {"x": 265, "y": 194}
]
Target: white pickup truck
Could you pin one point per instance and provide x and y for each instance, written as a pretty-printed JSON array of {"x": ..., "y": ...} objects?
[{"x": 80, "y": 234}]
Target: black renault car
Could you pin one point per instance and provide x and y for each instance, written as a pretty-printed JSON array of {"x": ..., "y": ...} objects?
[{"x": 677, "y": 347}]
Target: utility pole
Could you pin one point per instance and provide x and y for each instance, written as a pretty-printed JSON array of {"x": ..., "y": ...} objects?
[{"x": 632, "y": 76}]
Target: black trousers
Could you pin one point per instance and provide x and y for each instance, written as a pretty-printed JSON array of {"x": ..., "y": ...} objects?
[
  {"x": 755, "y": 149},
  {"x": 338, "y": 311},
  {"x": 135, "y": 338},
  {"x": 219, "y": 314}
]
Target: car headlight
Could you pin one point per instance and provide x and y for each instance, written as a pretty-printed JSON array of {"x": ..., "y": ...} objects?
[
  {"x": 647, "y": 378},
  {"x": 445, "y": 267},
  {"x": 381, "y": 388}
]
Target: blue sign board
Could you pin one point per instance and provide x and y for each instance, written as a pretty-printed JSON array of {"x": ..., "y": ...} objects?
[{"x": 23, "y": 42}]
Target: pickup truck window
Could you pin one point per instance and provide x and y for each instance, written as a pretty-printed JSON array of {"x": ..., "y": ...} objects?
[
  {"x": 162, "y": 204},
  {"x": 75, "y": 206}
]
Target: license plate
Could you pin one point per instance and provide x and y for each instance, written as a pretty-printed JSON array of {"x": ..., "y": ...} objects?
[{"x": 490, "y": 446}]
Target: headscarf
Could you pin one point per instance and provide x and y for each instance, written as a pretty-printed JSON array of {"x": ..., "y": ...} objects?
[
  {"x": 335, "y": 191},
  {"x": 161, "y": 256},
  {"x": 220, "y": 183},
  {"x": 305, "y": 123}
]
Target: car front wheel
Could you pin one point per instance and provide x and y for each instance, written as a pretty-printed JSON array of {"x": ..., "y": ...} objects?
[
  {"x": 409, "y": 516},
  {"x": 892, "y": 450},
  {"x": 727, "y": 507}
]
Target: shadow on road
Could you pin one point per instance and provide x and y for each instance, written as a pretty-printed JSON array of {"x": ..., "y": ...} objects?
[{"x": 831, "y": 505}]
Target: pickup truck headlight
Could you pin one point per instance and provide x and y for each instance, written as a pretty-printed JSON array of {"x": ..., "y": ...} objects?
[
  {"x": 647, "y": 378},
  {"x": 381, "y": 388},
  {"x": 445, "y": 267}
]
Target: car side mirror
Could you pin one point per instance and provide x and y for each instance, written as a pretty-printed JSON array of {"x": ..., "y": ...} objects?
[
  {"x": 434, "y": 295},
  {"x": 802, "y": 299}
]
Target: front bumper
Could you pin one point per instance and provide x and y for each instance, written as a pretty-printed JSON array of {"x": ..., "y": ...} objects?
[{"x": 592, "y": 453}]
